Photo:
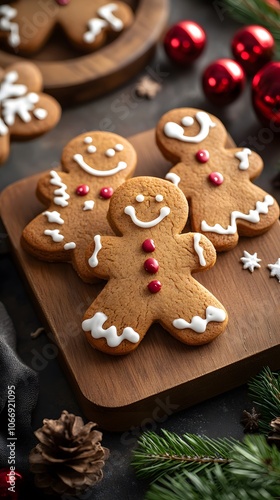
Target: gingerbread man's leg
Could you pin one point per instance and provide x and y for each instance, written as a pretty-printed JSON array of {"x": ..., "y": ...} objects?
[
  {"x": 194, "y": 316},
  {"x": 114, "y": 323}
]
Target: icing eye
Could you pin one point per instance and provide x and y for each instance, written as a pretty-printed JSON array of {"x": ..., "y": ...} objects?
[
  {"x": 139, "y": 198},
  {"x": 187, "y": 121},
  {"x": 110, "y": 152},
  {"x": 91, "y": 149},
  {"x": 118, "y": 147},
  {"x": 159, "y": 197},
  {"x": 88, "y": 140}
]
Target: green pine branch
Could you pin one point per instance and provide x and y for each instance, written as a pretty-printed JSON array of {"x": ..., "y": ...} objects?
[
  {"x": 253, "y": 473},
  {"x": 264, "y": 390},
  {"x": 157, "y": 455},
  {"x": 256, "y": 12}
]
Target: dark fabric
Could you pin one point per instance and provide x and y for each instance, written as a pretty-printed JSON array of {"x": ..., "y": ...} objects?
[{"x": 25, "y": 381}]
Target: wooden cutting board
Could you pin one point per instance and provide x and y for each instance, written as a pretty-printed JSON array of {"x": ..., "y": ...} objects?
[{"x": 162, "y": 375}]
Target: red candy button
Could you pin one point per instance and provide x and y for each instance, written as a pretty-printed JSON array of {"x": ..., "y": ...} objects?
[
  {"x": 82, "y": 190},
  {"x": 151, "y": 265},
  {"x": 148, "y": 246},
  {"x": 154, "y": 286},
  {"x": 106, "y": 192},
  {"x": 216, "y": 178},
  {"x": 63, "y": 2},
  {"x": 202, "y": 155}
]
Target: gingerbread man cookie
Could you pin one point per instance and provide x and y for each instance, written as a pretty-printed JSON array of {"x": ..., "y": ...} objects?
[
  {"x": 77, "y": 198},
  {"x": 26, "y": 25},
  {"x": 216, "y": 181},
  {"x": 149, "y": 267},
  {"x": 25, "y": 112}
]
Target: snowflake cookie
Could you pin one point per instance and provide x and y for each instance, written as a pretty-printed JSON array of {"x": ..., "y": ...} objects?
[
  {"x": 250, "y": 261},
  {"x": 149, "y": 265},
  {"x": 26, "y": 25},
  {"x": 215, "y": 180},
  {"x": 25, "y": 112},
  {"x": 94, "y": 164},
  {"x": 275, "y": 269}
]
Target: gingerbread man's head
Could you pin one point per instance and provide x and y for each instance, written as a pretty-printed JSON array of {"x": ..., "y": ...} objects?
[
  {"x": 104, "y": 158},
  {"x": 148, "y": 203},
  {"x": 180, "y": 132}
]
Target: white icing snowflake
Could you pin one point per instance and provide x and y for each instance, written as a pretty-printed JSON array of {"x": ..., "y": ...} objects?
[
  {"x": 250, "y": 262},
  {"x": 275, "y": 269},
  {"x": 15, "y": 100}
]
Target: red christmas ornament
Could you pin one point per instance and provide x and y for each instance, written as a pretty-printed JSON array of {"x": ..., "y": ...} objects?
[
  {"x": 151, "y": 265},
  {"x": 252, "y": 47},
  {"x": 106, "y": 192},
  {"x": 82, "y": 190},
  {"x": 223, "y": 81},
  {"x": 9, "y": 479},
  {"x": 216, "y": 178},
  {"x": 266, "y": 95},
  {"x": 148, "y": 246},
  {"x": 184, "y": 42},
  {"x": 154, "y": 286}
]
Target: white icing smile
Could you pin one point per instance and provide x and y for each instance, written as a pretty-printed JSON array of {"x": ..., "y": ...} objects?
[
  {"x": 129, "y": 210},
  {"x": 175, "y": 131},
  {"x": 78, "y": 158}
]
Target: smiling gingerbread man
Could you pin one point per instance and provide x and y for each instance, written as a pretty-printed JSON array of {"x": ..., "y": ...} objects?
[
  {"x": 149, "y": 266},
  {"x": 26, "y": 25},
  {"x": 224, "y": 203},
  {"x": 77, "y": 198}
]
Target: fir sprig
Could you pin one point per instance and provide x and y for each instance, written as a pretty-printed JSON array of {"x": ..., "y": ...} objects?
[
  {"x": 264, "y": 390},
  {"x": 157, "y": 455},
  {"x": 253, "y": 473},
  {"x": 256, "y": 12}
]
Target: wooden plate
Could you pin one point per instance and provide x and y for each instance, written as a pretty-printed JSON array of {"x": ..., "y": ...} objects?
[
  {"x": 72, "y": 77},
  {"x": 162, "y": 375}
]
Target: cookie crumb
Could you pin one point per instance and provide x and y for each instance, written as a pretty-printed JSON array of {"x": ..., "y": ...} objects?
[{"x": 146, "y": 87}]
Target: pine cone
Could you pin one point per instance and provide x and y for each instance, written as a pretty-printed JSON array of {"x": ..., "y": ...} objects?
[
  {"x": 69, "y": 458},
  {"x": 274, "y": 436}
]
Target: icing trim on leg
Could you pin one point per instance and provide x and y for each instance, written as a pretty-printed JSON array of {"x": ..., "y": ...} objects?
[
  {"x": 199, "y": 324},
  {"x": 95, "y": 326}
]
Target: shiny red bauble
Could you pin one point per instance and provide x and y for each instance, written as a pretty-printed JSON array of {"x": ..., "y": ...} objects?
[
  {"x": 10, "y": 481},
  {"x": 223, "y": 81},
  {"x": 184, "y": 42},
  {"x": 252, "y": 47},
  {"x": 266, "y": 95}
]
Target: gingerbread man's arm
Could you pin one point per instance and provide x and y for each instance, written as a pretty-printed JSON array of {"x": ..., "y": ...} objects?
[
  {"x": 182, "y": 177},
  {"x": 247, "y": 160},
  {"x": 52, "y": 187},
  {"x": 200, "y": 252},
  {"x": 102, "y": 256}
]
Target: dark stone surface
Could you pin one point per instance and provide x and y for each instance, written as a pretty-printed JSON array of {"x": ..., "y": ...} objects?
[{"x": 126, "y": 114}]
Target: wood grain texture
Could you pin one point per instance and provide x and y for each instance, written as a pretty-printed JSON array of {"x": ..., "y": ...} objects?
[
  {"x": 162, "y": 375},
  {"x": 73, "y": 78}
]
